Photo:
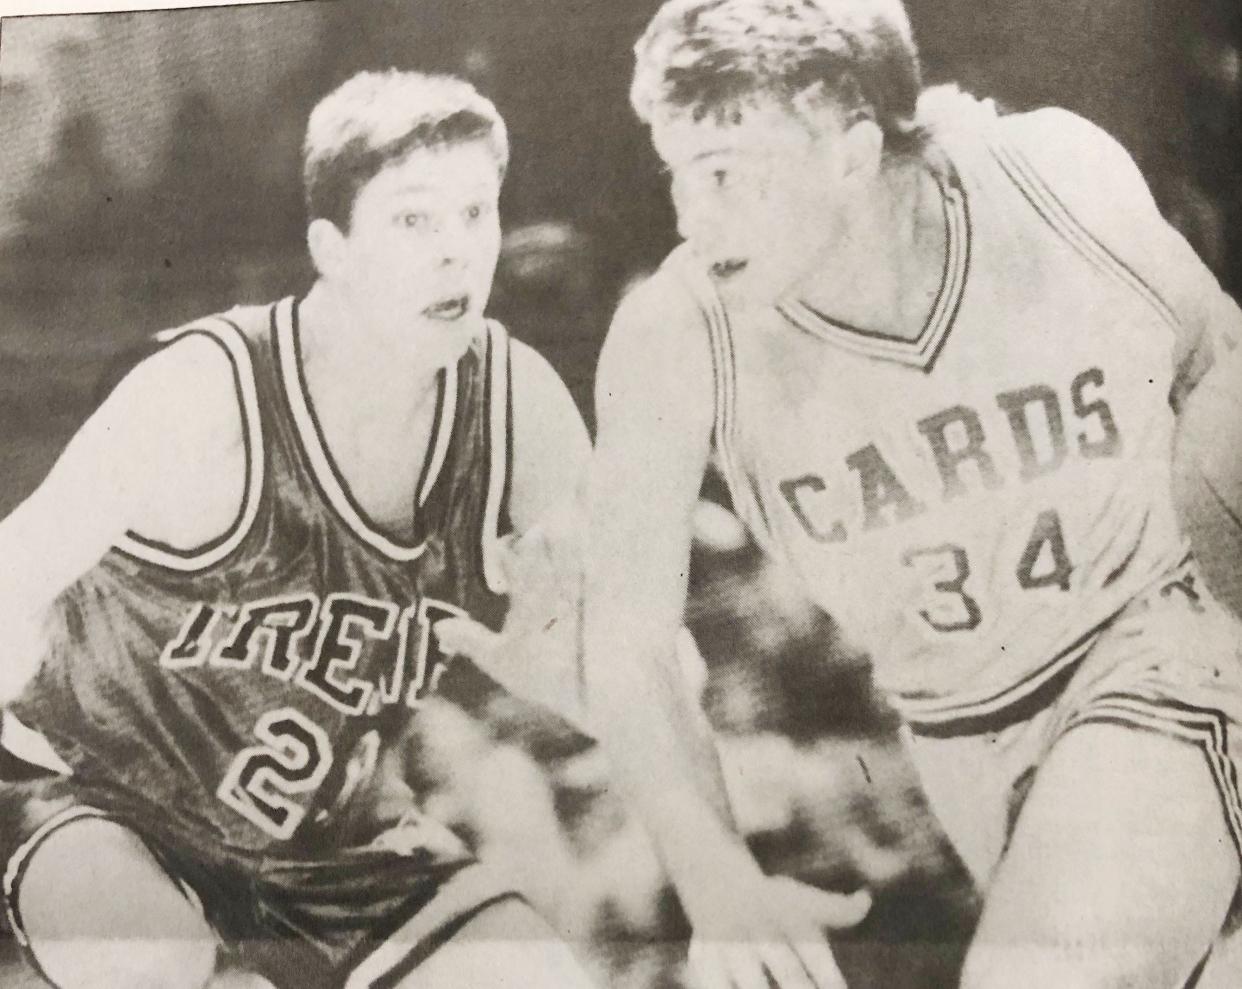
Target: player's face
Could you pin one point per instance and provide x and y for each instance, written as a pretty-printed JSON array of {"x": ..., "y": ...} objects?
[
  {"x": 420, "y": 254},
  {"x": 758, "y": 199}
]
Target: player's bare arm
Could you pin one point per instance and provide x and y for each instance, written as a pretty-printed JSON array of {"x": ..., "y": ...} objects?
[
  {"x": 655, "y": 406},
  {"x": 550, "y": 442},
  {"x": 140, "y": 464}
]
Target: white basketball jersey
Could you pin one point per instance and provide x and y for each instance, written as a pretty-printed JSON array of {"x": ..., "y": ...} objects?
[{"x": 972, "y": 505}]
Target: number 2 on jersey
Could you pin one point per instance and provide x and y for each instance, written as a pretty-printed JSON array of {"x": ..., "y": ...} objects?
[
  {"x": 293, "y": 758},
  {"x": 948, "y": 607}
]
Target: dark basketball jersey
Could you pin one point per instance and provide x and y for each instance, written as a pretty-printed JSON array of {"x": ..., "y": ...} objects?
[{"x": 235, "y": 693}]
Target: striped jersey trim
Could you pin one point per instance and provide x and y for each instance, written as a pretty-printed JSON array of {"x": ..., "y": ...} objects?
[
  {"x": 1204, "y": 727},
  {"x": 725, "y": 421},
  {"x": 922, "y": 351},
  {"x": 233, "y": 341},
  {"x": 463, "y": 896},
  {"x": 497, "y": 408},
  {"x": 323, "y": 470},
  {"x": 1066, "y": 225},
  {"x": 965, "y": 714}
]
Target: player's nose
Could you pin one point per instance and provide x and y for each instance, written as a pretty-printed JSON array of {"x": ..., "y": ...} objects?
[{"x": 455, "y": 244}]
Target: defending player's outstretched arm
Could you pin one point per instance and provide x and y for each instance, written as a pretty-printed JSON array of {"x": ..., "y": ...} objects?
[
  {"x": 536, "y": 656},
  {"x": 140, "y": 463}
]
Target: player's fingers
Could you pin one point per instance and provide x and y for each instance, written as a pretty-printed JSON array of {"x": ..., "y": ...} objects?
[
  {"x": 785, "y": 968},
  {"x": 461, "y": 636},
  {"x": 707, "y": 968},
  {"x": 745, "y": 965},
  {"x": 834, "y": 911},
  {"x": 816, "y": 957}
]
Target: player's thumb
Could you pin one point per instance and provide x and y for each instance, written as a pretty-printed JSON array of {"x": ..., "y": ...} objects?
[
  {"x": 463, "y": 636},
  {"x": 832, "y": 911}
]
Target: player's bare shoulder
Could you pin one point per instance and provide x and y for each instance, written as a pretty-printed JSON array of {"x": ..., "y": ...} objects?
[
  {"x": 175, "y": 424},
  {"x": 658, "y": 352},
  {"x": 1086, "y": 171}
]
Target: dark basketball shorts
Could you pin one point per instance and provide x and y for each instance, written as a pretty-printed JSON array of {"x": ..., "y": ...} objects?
[{"x": 362, "y": 920}]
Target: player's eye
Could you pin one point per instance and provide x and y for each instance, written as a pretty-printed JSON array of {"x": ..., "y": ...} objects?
[
  {"x": 720, "y": 178},
  {"x": 413, "y": 220},
  {"x": 475, "y": 212}
]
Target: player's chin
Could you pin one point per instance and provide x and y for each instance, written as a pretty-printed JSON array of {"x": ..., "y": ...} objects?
[
  {"x": 747, "y": 283},
  {"x": 448, "y": 338}
]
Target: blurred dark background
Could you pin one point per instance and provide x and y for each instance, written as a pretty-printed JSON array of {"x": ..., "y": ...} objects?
[{"x": 149, "y": 162}]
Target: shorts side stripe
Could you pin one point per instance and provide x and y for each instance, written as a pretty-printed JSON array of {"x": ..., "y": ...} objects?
[
  {"x": 434, "y": 921},
  {"x": 1202, "y": 726},
  {"x": 966, "y": 714}
]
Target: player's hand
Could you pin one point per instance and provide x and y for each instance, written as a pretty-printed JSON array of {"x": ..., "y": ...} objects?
[
  {"x": 536, "y": 654},
  {"x": 770, "y": 931}
]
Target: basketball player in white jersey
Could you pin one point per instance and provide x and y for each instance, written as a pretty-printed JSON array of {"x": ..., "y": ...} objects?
[
  {"x": 936, "y": 353},
  {"x": 241, "y": 556}
]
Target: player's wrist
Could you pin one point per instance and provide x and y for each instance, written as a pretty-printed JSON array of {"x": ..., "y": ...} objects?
[{"x": 718, "y": 871}]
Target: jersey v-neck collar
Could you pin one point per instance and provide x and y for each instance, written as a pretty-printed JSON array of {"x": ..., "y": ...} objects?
[
  {"x": 921, "y": 351},
  {"x": 323, "y": 468}
]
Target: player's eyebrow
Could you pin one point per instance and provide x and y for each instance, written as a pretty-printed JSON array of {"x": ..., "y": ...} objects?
[
  {"x": 423, "y": 189},
  {"x": 412, "y": 188}
]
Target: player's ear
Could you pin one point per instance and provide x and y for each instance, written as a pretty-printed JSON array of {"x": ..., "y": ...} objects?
[
  {"x": 863, "y": 142},
  {"x": 325, "y": 242}
]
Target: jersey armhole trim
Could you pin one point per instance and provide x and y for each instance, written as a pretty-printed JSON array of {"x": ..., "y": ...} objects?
[
  {"x": 746, "y": 501},
  {"x": 498, "y": 405},
  {"x": 1063, "y": 222},
  {"x": 231, "y": 339}
]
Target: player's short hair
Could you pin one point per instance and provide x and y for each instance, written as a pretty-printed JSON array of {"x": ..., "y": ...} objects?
[
  {"x": 713, "y": 57},
  {"x": 375, "y": 118}
]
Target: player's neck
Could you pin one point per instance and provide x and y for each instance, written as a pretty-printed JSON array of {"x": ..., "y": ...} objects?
[
  {"x": 884, "y": 272},
  {"x": 361, "y": 360}
]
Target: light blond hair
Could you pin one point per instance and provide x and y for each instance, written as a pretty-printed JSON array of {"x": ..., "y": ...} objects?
[{"x": 713, "y": 57}]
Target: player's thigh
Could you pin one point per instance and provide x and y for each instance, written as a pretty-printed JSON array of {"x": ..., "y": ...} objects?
[
  {"x": 1120, "y": 871},
  {"x": 98, "y": 910},
  {"x": 505, "y": 946}
]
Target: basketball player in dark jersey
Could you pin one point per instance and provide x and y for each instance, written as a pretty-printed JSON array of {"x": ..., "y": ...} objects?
[{"x": 242, "y": 556}]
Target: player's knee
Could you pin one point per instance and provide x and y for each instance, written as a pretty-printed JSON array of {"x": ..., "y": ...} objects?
[
  {"x": 99, "y": 911},
  {"x": 137, "y": 964},
  {"x": 508, "y": 944},
  {"x": 1009, "y": 966}
]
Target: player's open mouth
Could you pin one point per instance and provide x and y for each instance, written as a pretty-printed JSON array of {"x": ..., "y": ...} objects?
[
  {"x": 728, "y": 267},
  {"x": 448, "y": 309}
]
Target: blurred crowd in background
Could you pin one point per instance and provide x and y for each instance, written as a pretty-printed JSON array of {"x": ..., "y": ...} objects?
[{"x": 149, "y": 174}]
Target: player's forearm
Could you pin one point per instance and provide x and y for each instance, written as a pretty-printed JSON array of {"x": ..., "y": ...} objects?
[{"x": 661, "y": 754}]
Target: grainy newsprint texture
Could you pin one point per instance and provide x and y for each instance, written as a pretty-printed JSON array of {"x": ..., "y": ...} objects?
[{"x": 317, "y": 592}]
